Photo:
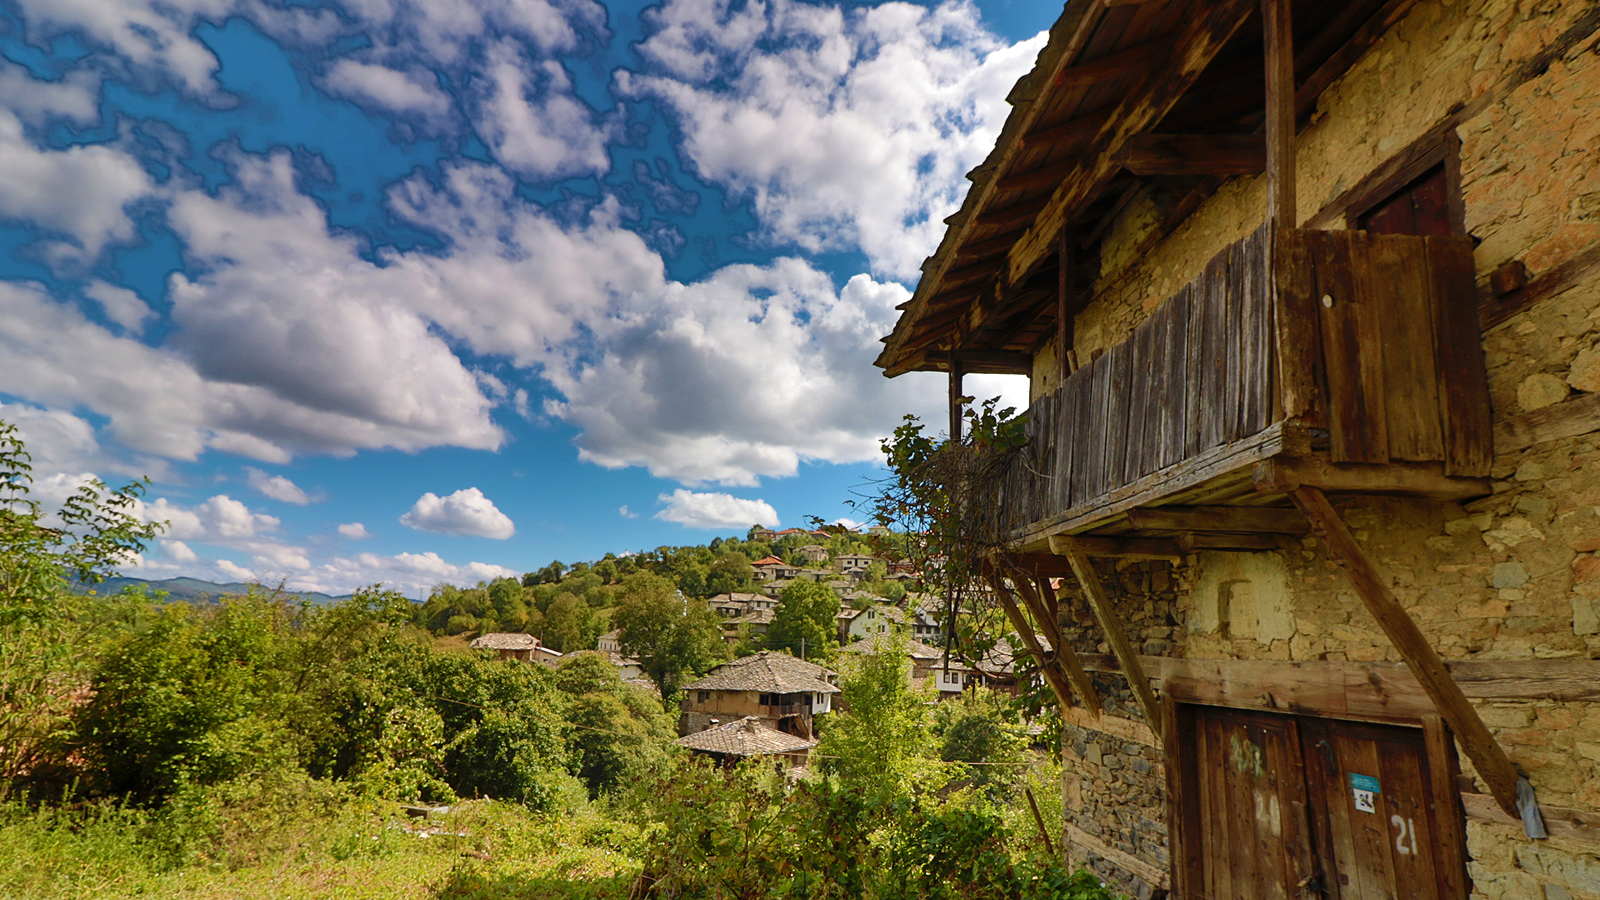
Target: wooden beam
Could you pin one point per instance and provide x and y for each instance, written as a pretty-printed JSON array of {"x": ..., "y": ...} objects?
[
  {"x": 1052, "y": 675},
  {"x": 1148, "y": 872},
  {"x": 1138, "y": 111},
  {"x": 1569, "y": 418},
  {"x": 1115, "y": 726},
  {"x": 1064, "y": 653},
  {"x": 1578, "y": 825},
  {"x": 1136, "y": 60},
  {"x": 1424, "y": 662},
  {"x": 1010, "y": 216},
  {"x": 1103, "y": 611},
  {"x": 1066, "y": 270},
  {"x": 1048, "y": 175},
  {"x": 1004, "y": 362},
  {"x": 1452, "y": 843},
  {"x": 955, "y": 396},
  {"x": 1495, "y": 310},
  {"x": 1278, "y": 30},
  {"x": 1244, "y": 543},
  {"x": 1182, "y": 813},
  {"x": 1118, "y": 547},
  {"x": 1245, "y": 519},
  {"x": 1428, "y": 480},
  {"x": 1349, "y": 51},
  {"x": 984, "y": 248},
  {"x": 1194, "y": 154},
  {"x": 1067, "y": 132}
]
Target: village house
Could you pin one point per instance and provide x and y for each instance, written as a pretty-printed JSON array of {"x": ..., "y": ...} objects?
[
  {"x": 929, "y": 666},
  {"x": 524, "y": 647},
  {"x": 816, "y": 554},
  {"x": 737, "y": 604},
  {"x": 627, "y": 667},
  {"x": 925, "y": 624},
  {"x": 731, "y": 742},
  {"x": 772, "y": 567},
  {"x": 1309, "y": 298},
  {"x": 755, "y": 622},
  {"x": 785, "y": 693},
  {"x": 851, "y": 563},
  {"x": 855, "y": 624}
]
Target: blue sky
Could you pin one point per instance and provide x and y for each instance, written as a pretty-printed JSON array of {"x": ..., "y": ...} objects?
[{"x": 412, "y": 291}]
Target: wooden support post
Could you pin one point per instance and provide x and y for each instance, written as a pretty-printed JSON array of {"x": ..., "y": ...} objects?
[
  {"x": 1279, "y": 54},
  {"x": 1084, "y": 569},
  {"x": 1447, "y": 808},
  {"x": 1052, "y": 675},
  {"x": 1424, "y": 662},
  {"x": 1064, "y": 287},
  {"x": 955, "y": 395},
  {"x": 1068, "y": 657}
]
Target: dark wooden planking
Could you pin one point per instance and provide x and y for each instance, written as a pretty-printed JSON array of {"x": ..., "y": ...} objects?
[
  {"x": 1370, "y": 865},
  {"x": 1428, "y": 480},
  {"x": 1180, "y": 752},
  {"x": 1114, "y": 427},
  {"x": 1175, "y": 404},
  {"x": 1140, "y": 364},
  {"x": 1356, "y": 426},
  {"x": 1115, "y": 548},
  {"x": 1194, "y": 154},
  {"x": 1262, "y": 347},
  {"x": 1395, "y": 288},
  {"x": 1459, "y": 359},
  {"x": 1449, "y": 821},
  {"x": 1415, "y": 873},
  {"x": 1299, "y": 340},
  {"x": 1278, "y": 59},
  {"x": 1246, "y": 520},
  {"x": 1211, "y": 339}
]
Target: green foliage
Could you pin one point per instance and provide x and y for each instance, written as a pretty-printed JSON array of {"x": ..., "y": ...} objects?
[
  {"x": 877, "y": 742},
  {"x": 982, "y": 729},
  {"x": 617, "y": 731},
  {"x": 805, "y": 620},
  {"x": 671, "y": 637}
]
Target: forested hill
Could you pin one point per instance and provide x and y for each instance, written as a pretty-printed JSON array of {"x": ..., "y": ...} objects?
[
  {"x": 194, "y": 590},
  {"x": 569, "y": 606}
]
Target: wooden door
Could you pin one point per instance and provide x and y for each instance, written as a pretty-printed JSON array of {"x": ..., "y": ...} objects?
[
  {"x": 1251, "y": 799},
  {"x": 1421, "y": 207},
  {"x": 1284, "y": 807},
  {"x": 1386, "y": 837}
]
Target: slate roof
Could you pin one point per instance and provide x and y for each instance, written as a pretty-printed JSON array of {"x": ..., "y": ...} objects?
[
  {"x": 501, "y": 640},
  {"x": 768, "y": 672},
  {"x": 746, "y": 737}
]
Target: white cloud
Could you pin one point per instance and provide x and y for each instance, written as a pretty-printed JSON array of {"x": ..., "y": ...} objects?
[
  {"x": 465, "y": 512},
  {"x": 121, "y": 305},
  {"x": 233, "y": 571},
  {"x": 845, "y": 128},
  {"x": 739, "y": 377},
  {"x": 220, "y": 519},
  {"x": 178, "y": 551},
  {"x": 534, "y": 123},
  {"x": 276, "y": 486},
  {"x": 75, "y": 96},
  {"x": 390, "y": 89},
  {"x": 79, "y": 191},
  {"x": 626, "y": 514},
  {"x": 413, "y": 574},
  {"x": 715, "y": 510},
  {"x": 146, "y": 34},
  {"x": 355, "y": 531}
]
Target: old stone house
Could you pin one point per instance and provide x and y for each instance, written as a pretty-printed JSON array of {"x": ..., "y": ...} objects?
[
  {"x": 731, "y": 742},
  {"x": 524, "y": 647},
  {"x": 1309, "y": 297},
  {"x": 784, "y": 692},
  {"x": 930, "y": 667}
]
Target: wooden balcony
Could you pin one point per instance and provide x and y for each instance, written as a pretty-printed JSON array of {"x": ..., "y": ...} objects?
[{"x": 1338, "y": 359}]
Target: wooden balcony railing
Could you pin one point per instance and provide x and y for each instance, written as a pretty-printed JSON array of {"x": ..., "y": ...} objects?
[{"x": 1363, "y": 347}]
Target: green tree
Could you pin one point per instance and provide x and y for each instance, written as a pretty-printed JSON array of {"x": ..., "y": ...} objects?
[
  {"x": 878, "y": 741},
  {"x": 570, "y": 624},
  {"x": 805, "y": 621},
  {"x": 671, "y": 636},
  {"x": 618, "y": 731},
  {"x": 730, "y": 573}
]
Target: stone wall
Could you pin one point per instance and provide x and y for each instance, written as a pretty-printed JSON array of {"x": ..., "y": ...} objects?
[{"x": 1515, "y": 575}]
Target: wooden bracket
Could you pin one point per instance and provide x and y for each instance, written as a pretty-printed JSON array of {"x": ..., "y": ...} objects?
[
  {"x": 1044, "y": 614},
  {"x": 1084, "y": 569},
  {"x": 1493, "y": 766},
  {"x": 1052, "y": 675}
]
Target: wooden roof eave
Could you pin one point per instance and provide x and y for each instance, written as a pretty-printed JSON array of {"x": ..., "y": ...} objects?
[{"x": 1192, "y": 51}]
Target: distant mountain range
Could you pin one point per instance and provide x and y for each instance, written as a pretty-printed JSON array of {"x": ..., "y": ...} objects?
[{"x": 193, "y": 590}]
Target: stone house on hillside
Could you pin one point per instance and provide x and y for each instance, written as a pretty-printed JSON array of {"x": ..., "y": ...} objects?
[
  {"x": 784, "y": 692},
  {"x": 524, "y": 647},
  {"x": 1309, "y": 298},
  {"x": 929, "y": 667},
  {"x": 741, "y": 739}
]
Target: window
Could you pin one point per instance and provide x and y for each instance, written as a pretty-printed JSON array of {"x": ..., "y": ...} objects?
[
  {"x": 769, "y": 700},
  {"x": 705, "y": 697}
]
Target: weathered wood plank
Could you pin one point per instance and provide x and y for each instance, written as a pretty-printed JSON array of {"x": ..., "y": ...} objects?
[
  {"x": 1278, "y": 57},
  {"x": 1351, "y": 342},
  {"x": 1447, "y": 813},
  {"x": 1463, "y": 374},
  {"x": 1299, "y": 339},
  {"x": 1194, "y": 154},
  {"x": 1089, "y": 580},
  {"x": 1246, "y": 519},
  {"x": 1019, "y": 622},
  {"x": 1409, "y": 479},
  {"x": 1396, "y": 281},
  {"x": 1182, "y": 810},
  {"x": 1148, "y": 872},
  {"x": 1577, "y": 825},
  {"x": 1425, "y": 664},
  {"x": 1569, "y": 418},
  {"x": 1061, "y": 650},
  {"x": 1119, "y": 547}
]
